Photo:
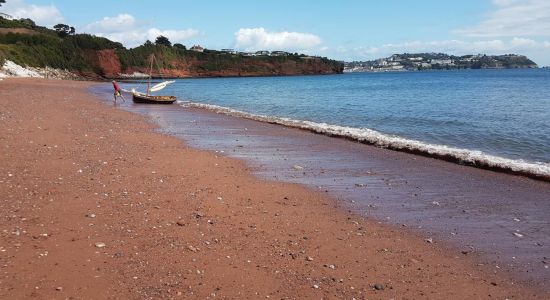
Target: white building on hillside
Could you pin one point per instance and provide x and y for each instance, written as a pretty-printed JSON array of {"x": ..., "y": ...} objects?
[
  {"x": 441, "y": 61},
  {"x": 197, "y": 48},
  {"x": 229, "y": 51},
  {"x": 279, "y": 53}
]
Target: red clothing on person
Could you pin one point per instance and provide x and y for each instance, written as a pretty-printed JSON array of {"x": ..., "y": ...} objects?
[{"x": 116, "y": 86}]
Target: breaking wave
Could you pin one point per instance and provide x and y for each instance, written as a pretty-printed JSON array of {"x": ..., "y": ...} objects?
[{"x": 475, "y": 158}]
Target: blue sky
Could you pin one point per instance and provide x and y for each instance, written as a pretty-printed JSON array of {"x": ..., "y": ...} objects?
[{"x": 345, "y": 29}]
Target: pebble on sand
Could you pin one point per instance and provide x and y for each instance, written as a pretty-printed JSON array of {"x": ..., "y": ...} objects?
[{"x": 100, "y": 245}]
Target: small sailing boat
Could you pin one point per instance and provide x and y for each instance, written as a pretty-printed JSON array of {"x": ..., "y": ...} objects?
[{"x": 146, "y": 97}]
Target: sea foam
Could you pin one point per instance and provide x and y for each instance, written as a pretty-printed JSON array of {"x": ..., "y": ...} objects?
[{"x": 475, "y": 158}]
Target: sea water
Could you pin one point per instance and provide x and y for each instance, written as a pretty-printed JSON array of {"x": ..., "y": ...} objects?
[{"x": 492, "y": 117}]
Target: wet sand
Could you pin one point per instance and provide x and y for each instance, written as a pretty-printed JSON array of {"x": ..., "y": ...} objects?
[{"x": 95, "y": 204}]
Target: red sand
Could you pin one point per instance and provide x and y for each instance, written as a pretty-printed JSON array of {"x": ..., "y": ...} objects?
[{"x": 180, "y": 223}]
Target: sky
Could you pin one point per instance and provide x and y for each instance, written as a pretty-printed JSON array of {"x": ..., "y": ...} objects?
[{"x": 344, "y": 29}]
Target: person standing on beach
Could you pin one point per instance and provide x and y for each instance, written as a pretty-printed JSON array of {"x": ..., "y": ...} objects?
[{"x": 118, "y": 91}]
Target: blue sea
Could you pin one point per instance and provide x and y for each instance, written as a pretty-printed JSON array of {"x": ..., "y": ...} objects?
[{"x": 495, "y": 118}]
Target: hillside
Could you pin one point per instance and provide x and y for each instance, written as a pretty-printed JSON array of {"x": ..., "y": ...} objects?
[
  {"x": 27, "y": 44},
  {"x": 440, "y": 61}
]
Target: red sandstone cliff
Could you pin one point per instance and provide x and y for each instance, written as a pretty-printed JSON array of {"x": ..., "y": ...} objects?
[{"x": 109, "y": 66}]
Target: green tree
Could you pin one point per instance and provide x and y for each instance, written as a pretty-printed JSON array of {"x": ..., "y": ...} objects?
[
  {"x": 162, "y": 40},
  {"x": 64, "y": 30},
  {"x": 180, "y": 46},
  {"x": 28, "y": 22},
  {"x": 2, "y": 1}
]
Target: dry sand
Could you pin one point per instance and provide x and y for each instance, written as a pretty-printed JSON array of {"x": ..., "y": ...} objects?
[{"x": 96, "y": 205}]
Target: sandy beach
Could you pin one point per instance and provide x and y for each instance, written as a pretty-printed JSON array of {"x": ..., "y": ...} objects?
[{"x": 96, "y": 205}]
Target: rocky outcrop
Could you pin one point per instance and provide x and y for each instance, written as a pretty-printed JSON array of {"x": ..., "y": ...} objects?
[
  {"x": 108, "y": 62},
  {"x": 11, "y": 69}
]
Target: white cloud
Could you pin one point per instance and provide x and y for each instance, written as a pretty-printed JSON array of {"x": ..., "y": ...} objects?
[
  {"x": 513, "y": 18},
  {"x": 47, "y": 15},
  {"x": 523, "y": 43},
  {"x": 252, "y": 39},
  {"x": 120, "y": 23},
  {"x": 173, "y": 35},
  {"x": 124, "y": 28}
]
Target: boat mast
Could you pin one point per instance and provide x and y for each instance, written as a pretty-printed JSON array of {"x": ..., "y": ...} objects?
[{"x": 150, "y": 73}]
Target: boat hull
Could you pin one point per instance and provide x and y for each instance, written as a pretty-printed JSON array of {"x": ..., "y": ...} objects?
[{"x": 149, "y": 99}]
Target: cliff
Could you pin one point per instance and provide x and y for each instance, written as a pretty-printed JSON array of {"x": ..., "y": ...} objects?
[
  {"x": 169, "y": 62},
  {"x": 26, "y": 44}
]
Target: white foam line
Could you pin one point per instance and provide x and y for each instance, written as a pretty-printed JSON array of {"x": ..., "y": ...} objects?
[{"x": 465, "y": 156}]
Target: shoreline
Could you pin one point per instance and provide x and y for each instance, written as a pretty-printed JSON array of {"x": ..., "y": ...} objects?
[
  {"x": 460, "y": 156},
  {"x": 107, "y": 208}
]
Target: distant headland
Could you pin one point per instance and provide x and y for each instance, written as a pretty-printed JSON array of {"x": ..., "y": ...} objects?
[{"x": 439, "y": 61}]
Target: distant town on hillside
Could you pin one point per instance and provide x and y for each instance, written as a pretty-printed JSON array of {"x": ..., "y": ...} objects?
[{"x": 439, "y": 61}]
